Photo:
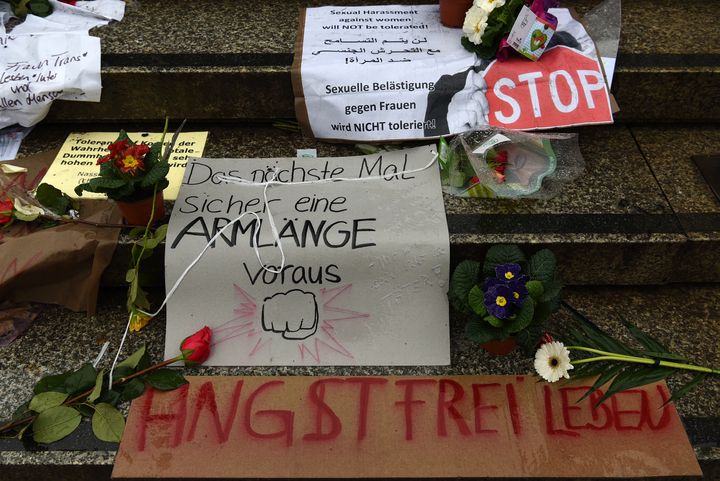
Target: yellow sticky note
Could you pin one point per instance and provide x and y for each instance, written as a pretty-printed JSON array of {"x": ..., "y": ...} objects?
[{"x": 77, "y": 160}]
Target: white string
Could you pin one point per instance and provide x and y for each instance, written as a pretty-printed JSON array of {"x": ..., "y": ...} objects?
[
  {"x": 99, "y": 357},
  {"x": 273, "y": 229}
]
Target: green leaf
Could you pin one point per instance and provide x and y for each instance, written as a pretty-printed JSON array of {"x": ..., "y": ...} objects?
[
  {"x": 46, "y": 400},
  {"x": 108, "y": 423},
  {"x": 98, "y": 387},
  {"x": 141, "y": 299},
  {"x": 136, "y": 232},
  {"x": 132, "y": 389},
  {"x": 494, "y": 321},
  {"x": 130, "y": 275},
  {"x": 52, "y": 198},
  {"x": 542, "y": 266},
  {"x": 161, "y": 232},
  {"x": 109, "y": 397},
  {"x": 605, "y": 376},
  {"x": 81, "y": 380},
  {"x": 502, "y": 254},
  {"x": 523, "y": 318},
  {"x": 165, "y": 379},
  {"x": 528, "y": 339},
  {"x": 645, "y": 340},
  {"x": 476, "y": 301},
  {"x": 464, "y": 277},
  {"x": 551, "y": 291},
  {"x": 156, "y": 173},
  {"x": 55, "y": 382},
  {"x": 535, "y": 288},
  {"x": 54, "y": 424},
  {"x": 692, "y": 384},
  {"x": 102, "y": 184},
  {"x": 85, "y": 410},
  {"x": 633, "y": 377},
  {"x": 132, "y": 360},
  {"x": 480, "y": 331}
]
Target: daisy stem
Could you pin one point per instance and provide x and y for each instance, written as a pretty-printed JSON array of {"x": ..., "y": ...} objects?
[
  {"x": 645, "y": 360},
  {"x": 597, "y": 351}
]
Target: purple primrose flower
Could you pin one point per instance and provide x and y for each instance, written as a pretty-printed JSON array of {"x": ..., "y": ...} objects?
[{"x": 498, "y": 300}]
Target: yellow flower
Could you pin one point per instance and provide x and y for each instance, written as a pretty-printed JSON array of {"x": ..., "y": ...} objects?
[{"x": 138, "y": 320}]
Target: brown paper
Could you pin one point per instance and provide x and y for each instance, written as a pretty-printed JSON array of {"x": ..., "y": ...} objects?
[
  {"x": 401, "y": 427},
  {"x": 58, "y": 265}
]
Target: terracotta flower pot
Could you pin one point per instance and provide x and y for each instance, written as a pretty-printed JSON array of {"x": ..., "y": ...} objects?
[
  {"x": 452, "y": 12},
  {"x": 500, "y": 348},
  {"x": 138, "y": 212}
]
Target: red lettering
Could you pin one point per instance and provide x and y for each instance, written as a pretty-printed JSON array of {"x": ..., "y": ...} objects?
[
  {"x": 479, "y": 406},
  {"x": 550, "y": 418},
  {"x": 594, "y": 398},
  {"x": 619, "y": 413},
  {"x": 206, "y": 400},
  {"x": 409, "y": 401},
  {"x": 317, "y": 397},
  {"x": 646, "y": 416},
  {"x": 176, "y": 416},
  {"x": 444, "y": 405},
  {"x": 364, "y": 402},
  {"x": 286, "y": 417},
  {"x": 513, "y": 407}
]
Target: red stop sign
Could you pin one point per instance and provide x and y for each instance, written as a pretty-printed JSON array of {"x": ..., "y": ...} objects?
[{"x": 563, "y": 88}]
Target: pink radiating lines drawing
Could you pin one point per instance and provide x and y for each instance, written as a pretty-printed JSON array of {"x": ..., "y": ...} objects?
[{"x": 246, "y": 331}]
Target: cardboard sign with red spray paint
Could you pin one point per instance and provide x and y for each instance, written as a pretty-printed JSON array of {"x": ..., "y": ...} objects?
[
  {"x": 566, "y": 88},
  {"x": 383, "y": 427}
]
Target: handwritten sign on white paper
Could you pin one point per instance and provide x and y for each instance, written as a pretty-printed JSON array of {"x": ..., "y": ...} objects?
[
  {"x": 366, "y": 262},
  {"x": 36, "y": 69}
]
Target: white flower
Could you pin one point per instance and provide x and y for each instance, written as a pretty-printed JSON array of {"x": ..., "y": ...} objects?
[
  {"x": 27, "y": 212},
  {"x": 475, "y": 23},
  {"x": 489, "y": 5},
  {"x": 552, "y": 361}
]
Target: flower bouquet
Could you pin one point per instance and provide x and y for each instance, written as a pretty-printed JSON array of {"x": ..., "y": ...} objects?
[
  {"x": 506, "y": 299},
  {"x": 134, "y": 175},
  {"x": 489, "y": 22}
]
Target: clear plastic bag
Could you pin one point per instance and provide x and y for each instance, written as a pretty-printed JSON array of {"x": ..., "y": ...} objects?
[
  {"x": 492, "y": 162},
  {"x": 10, "y": 189}
]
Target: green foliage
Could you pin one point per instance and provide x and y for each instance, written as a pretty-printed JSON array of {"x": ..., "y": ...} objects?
[
  {"x": 53, "y": 199},
  {"x": 165, "y": 379},
  {"x": 502, "y": 254},
  {"x": 619, "y": 375},
  {"x": 541, "y": 266},
  {"x": 465, "y": 276},
  {"x": 527, "y": 323},
  {"x": 46, "y": 400},
  {"x": 54, "y": 424},
  {"x": 21, "y": 8},
  {"x": 108, "y": 423},
  {"x": 131, "y": 186},
  {"x": 500, "y": 23}
]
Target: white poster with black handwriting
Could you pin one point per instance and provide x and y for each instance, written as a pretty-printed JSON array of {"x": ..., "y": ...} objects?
[
  {"x": 393, "y": 72},
  {"x": 366, "y": 262}
]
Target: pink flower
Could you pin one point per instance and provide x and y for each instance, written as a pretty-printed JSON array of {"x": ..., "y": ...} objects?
[{"x": 504, "y": 50}]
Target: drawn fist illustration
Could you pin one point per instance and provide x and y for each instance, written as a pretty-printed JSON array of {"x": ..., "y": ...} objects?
[{"x": 293, "y": 313}]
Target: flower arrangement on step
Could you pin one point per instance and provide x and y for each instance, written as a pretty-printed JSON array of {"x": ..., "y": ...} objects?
[
  {"x": 61, "y": 401},
  {"x": 614, "y": 365},
  {"x": 507, "y": 298},
  {"x": 489, "y": 22},
  {"x": 134, "y": 176},
  {"x": 46, "y": 204}
]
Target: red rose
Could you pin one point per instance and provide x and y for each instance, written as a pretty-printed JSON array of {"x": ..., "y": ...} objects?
[
  {"x": 6, "y": 209},
  {"x": 196, "y": 348}
]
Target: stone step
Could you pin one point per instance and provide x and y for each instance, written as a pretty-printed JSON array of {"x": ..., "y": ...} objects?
[
  {"x": 684, "y": 317},
  {"x": 627, "y": 220},
  {"x": 223, "y": 59}
]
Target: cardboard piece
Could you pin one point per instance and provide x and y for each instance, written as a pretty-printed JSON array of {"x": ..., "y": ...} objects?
[
  {"x": 58, "y": 265},
  {"x": 405, "y": 427},
  {"x": 366, "y": 262},
  {"x": 76, "y": 162},
  {"x": 385, "y": 73}
]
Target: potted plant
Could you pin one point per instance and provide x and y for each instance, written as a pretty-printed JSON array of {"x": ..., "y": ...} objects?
[
  {"x": 506, "y": 299},
  {"x": 452, "y": 12},
  {"x": 134, "y": 176}
]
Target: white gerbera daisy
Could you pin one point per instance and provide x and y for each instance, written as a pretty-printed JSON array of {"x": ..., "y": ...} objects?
[
  {"x": 475, "y": 23},
  {"x": 489, "y": 5},
  {"x": 552, "y": 361}
]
